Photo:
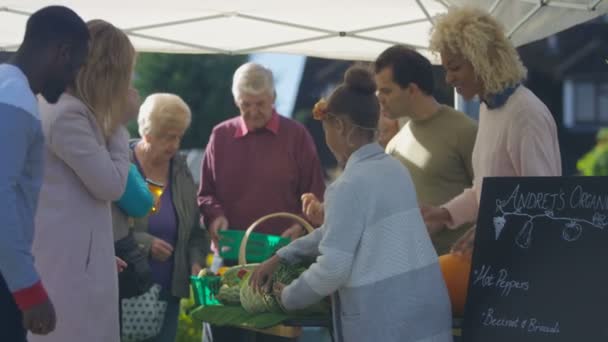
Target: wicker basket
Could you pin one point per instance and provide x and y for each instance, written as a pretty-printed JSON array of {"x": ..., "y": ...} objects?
[
  {"x": 279, "y": 330},
  {"x": 254, "y": 225}
]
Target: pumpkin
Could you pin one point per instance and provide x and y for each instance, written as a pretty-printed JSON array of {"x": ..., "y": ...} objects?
[{"x": 455, "y": 270}]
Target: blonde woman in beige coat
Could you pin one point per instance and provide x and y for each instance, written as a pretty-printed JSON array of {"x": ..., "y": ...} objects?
[{"x": 87, "y": 163}]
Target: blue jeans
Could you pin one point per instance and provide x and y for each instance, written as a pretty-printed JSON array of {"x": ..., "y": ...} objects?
[{"x": 168, "y": 331}]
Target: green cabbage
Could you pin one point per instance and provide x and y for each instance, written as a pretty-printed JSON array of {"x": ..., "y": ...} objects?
[
  {"x": 231, "y": 278},
  {"x": 229, "y": 295},
  {"x": 251, "y": 301},
  {"x": 254, "y": 302}
]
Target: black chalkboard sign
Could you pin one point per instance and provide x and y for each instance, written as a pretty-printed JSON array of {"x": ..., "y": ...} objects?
[{"x": 540, "y": 263}]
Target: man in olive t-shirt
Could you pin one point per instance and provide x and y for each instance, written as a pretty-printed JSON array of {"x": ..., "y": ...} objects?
[{"x": 437, "y": 141}]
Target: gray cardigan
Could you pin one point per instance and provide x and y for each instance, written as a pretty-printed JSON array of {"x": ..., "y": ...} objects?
[
  {"x": 375, "y": 258},
  {"x": 193, "y": 240}
]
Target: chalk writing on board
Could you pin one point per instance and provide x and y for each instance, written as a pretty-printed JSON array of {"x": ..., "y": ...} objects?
[
  {"x": 490, "y": 318},
  {"x": 487, "y": 277},
  {"x": 548, "y": 203}
]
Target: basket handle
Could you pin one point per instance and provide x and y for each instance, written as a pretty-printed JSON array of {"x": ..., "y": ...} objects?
[{"x": 243, "y": 248}]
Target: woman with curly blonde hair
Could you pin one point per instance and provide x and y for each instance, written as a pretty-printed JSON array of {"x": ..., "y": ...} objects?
[
  {"x": 517, "y": 135},
  {"x": 87, "y": 162}
]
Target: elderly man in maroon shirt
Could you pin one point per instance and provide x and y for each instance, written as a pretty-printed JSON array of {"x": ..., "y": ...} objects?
[{"x": 257, "y": 163}]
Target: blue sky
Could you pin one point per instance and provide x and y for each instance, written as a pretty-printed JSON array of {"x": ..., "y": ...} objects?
[{"x": 287, "y": 70}]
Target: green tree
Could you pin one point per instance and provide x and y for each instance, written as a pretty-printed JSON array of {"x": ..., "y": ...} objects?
[
  {"x": 595, "y": 162},
  {"x": 203, "y": 81}
]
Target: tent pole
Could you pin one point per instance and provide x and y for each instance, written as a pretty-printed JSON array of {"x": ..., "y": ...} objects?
[
  {"x": 387, "y": 26},
  {"x": 290, "y": 42},
  {"x": 527, "y": 17},
  {"x": 426, "y": 13},
  {"x": 177, "y": 42},
  {"x": 568, "y": 5},
  {"x": 444, "y": 4},
  {"x": 494, "y": 6},
  {"x": 560, "y": 4},
  {"x": 594, "y": 5},
  {"x": 284, "y": 23},
  {"x": 172, "y": 23},
  {"x": 328, "y": 33},
  {"x": 14, "y": 11}
]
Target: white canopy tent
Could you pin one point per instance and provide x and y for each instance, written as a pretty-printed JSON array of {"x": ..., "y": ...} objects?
[{"x": 340, "y": 29}]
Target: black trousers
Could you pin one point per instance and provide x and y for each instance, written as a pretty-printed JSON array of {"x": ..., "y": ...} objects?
[{"x": 11, "y": 319}]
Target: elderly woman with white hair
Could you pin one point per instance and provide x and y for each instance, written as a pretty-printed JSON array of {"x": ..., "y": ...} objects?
[
  {"x": 171, "y": 236},
  {"x": 256, "y": 164},
  {"x": 517, "y": 135}
]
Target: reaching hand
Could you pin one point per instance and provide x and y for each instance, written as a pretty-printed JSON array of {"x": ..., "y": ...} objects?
[
  {"x": 220, "y": 223},
  {"x": 293, "y": 232},
  {"x": 161, "y": 250},
  {"x": 313, "y": 209},
  {"x": 120, "y": 264},
  {"x": 196, "y": 269},
  {"x": 435, "y": 218},
  {"x": 261, "y": 278}
]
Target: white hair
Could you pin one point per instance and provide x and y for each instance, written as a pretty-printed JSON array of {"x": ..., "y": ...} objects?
[
  {"x": 162, "y": 111},
  {"x": 254, "y": 79}
]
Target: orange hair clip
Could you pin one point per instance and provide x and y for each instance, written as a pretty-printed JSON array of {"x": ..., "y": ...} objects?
[{"x": 319, "y": 112}]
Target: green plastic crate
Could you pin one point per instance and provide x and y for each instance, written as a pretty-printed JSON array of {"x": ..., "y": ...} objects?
[
  {"x": 260, "y": 247},
  {"x": 205, "y": 290}
]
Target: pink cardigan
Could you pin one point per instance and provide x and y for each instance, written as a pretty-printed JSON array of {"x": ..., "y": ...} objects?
[
  {"x": 517, "y": 139},
  {"x": 74, "y": 244}
]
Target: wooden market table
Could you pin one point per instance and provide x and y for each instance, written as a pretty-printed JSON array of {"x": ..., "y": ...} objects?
[{"x": 292, "y": 328}]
